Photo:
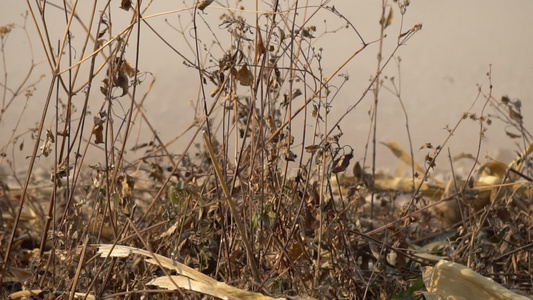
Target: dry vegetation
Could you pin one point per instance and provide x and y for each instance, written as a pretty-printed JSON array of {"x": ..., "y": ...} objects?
[{"x": 260, "y": 197}]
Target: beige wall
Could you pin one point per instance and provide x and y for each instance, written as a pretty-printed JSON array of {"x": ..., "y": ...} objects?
[{"x": 441, "y": 66}]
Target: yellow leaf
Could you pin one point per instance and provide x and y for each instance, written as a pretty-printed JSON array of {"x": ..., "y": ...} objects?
[
  {"x": 451, "y": 280},
  {"x": 403, "y": 156}
]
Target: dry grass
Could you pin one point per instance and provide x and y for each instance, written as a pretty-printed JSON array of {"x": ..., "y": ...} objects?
[{"x": 257, "y": 198}]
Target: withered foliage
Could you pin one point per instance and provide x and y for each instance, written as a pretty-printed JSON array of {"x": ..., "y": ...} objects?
[{"x": 265, "y": 204}]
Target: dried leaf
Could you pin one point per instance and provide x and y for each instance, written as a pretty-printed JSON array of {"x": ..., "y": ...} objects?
[
  {"x": 171, "y": 230},
  {"x": 289, "y": 155},
  {"x": 4, "y": 30},
  {"x": 403, "y": 156},
  {"x": 50, "y": 135},
  {"x": 127, "y": 184},
  {"x": 430, "y": 160},
  {"x": 505, "y": 100},
  {"x": 203, "y": 4},
  {"x": 98, "y": 132},
  {"x": 358, "y": 171},
  {"x": 40, "y": 294},
  {"x": 103, "y": 31},
  {"x": 100, "y": 35},
  {"x": 426, "y": 145},
  {"x": 296, "y": 93},
  {"x": 308, "y": 32},
  {"x": 244, "y": 76},
  {"x": 312, "y": 148},
  {"x": 188, "y": 278},
  {"x": 512, "y": 135},
  {"x": 342, "y": 163},
  {"x": 451, "y": 280},
  {"x": 100, "y": 42},
  {"x": 315, "y": 113},
  {"x": 105, "y": 88},
  {"x": 122, "y": 82},
  {"x": 46, "y": 148},
  {"x": 126, "y": 4},
  {"x": 126, "y": 68},
  {"x": 517, "y": 162},
  {"x": 492, "y": 168},
  {"x": 260, "y": 47},
  {"x": 400, "y": 184}
]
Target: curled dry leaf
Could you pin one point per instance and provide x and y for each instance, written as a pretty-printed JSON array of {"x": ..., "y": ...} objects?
[
  {"x": 312, "y": 148},
  {"x": 128, "y": 69},
  {"x": 122, "y": 82},
  {"x": 120, "y": 77},
  {"x": 342, "y": 163},
  {"x": 289, "y": 155},
  {"x": 46, "y": 148}
]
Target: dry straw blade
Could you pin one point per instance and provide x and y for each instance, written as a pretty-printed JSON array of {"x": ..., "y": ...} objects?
[
  {"x": 219, "y": 289},
  {"x": 449, "y": 280},
  {"x": 36, "y": 294},
  {"x": 188, "y": 278},
  {"x": 403, "y": 156}
]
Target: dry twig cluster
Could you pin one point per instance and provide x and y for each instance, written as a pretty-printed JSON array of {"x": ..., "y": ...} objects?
[{"x": 257, "y": 198}]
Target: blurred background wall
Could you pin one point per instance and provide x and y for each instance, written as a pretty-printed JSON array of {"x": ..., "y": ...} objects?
[{"x": 442, "y": 68}]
